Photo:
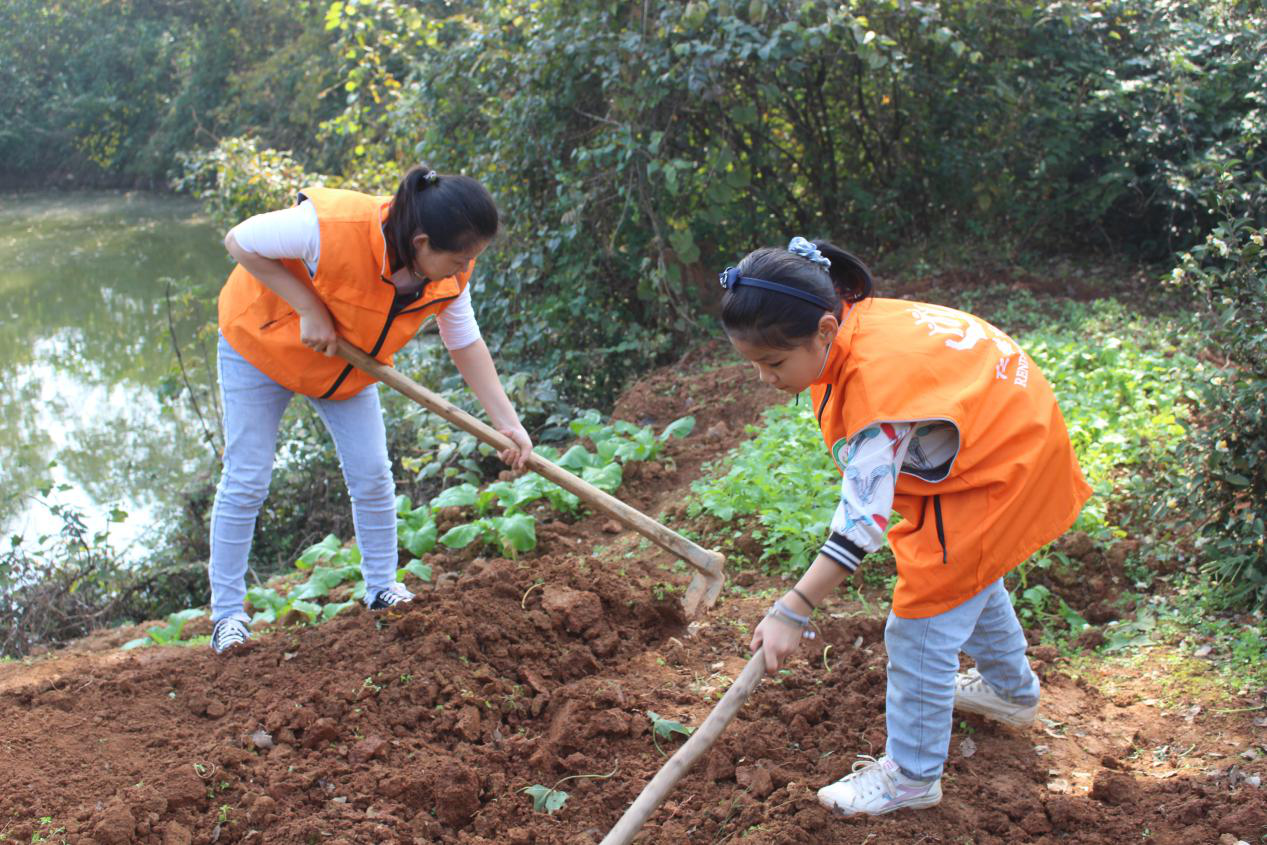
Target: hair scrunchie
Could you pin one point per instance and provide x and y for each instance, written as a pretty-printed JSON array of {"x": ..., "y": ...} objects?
[{"x": 805, "y": 249}]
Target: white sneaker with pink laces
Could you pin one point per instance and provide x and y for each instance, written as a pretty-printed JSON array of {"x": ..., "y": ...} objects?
[{"x": 877, "y": 787}]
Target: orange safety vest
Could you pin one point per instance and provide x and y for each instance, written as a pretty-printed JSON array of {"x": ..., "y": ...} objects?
[
  {"x": 1014, "y": 484},
  {"x": 352, "y": 279}
]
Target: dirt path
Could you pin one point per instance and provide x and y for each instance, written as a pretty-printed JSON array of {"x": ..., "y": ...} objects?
[{"x": 424, "y": 725}]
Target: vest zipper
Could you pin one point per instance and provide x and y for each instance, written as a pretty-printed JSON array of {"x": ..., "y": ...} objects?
[
  {"x": 941, "y": 529},
  {"x": 823, "y": 405},
  {"x": 392, "y": 313}
]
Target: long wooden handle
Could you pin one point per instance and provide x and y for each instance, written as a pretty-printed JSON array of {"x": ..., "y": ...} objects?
[
  {"x": 654, "y": 793},
  {"x": 707, "y": 562}
]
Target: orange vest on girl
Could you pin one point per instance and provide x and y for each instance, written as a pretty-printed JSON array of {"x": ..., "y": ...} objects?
[
  {"x": 352, "y": 280},
  {"x": 1014, "y": 484}
]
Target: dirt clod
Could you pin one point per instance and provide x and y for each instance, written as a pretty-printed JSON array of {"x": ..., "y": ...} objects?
[
  {"x": 176, "y": 833},
  {"x": 457, "y": 794},
  {"x": 577, "y": 609},
  {"x": 115, "y": 826},
  {"x": 366, "y": 750},
  {"x": 1114, "y": 788},
  {"x": 756, "y": 780}
]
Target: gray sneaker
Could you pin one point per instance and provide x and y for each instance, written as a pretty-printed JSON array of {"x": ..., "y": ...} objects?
[
  {"x": 228, "y": 633},
  {"x": 974, "y": 695},
  {"x": 390, "y": 597}
]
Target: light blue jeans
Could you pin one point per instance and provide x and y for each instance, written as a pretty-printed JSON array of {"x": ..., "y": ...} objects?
[
  {"x": 253, "y": 408},
  {"x": 923, "y": 660}
]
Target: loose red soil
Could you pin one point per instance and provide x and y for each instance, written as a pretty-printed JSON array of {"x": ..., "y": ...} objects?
[{"x": 424, "y": 724}]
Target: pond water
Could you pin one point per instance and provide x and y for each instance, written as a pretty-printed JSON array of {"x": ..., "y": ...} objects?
[{"x": 86, "y": 352}]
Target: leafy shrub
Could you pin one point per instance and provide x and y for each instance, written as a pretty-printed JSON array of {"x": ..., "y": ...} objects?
[
  {"x": 237, "y": 179},
  {"x": 1227, "y": 452},
  {"x": 109, "y": 93},
  {"x": 1006, "y": 122},
  {"x": 56, "y": 587}
]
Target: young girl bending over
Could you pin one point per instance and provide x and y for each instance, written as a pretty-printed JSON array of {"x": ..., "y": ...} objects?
[
  {"x": 369, "y": 269},
  {"x": 940, "y": 416}
]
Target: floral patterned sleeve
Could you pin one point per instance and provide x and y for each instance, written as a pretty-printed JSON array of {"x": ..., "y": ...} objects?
[{"x": 874, "y": 457}]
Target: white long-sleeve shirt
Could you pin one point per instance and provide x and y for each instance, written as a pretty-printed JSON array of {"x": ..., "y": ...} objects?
[
  {"x": 873, "y": 459},
  {"x": 294, "y": 233}
]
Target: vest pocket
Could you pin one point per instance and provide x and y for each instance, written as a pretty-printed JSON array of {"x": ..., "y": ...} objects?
[
  {"x": 941, "y": 527},
  {"x": 278, "y": 322}
]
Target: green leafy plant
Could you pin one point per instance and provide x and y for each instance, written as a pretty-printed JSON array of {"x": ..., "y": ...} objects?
[
  {"x": 662, "y": 728},
  {"x": 624, "y": 441},
  {"x": 169, "y": 633},
  {"x": 784, "y": 478},
  {"x": 514, "y": 530},
  {"x": 548, "y": 799},
  {"x": 271, "y": 607},
  {"x": 512, "y": 534},
  {"x": 416, "y": 568},
  {"x": 415, "y": 527}
]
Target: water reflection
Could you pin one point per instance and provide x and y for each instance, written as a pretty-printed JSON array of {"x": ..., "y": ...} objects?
[{"x": 85, "y": 345}]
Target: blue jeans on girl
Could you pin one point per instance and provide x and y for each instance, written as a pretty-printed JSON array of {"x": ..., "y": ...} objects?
[
  {"x": 923, "y": 660},
  {"x": 253, "y": 407}
]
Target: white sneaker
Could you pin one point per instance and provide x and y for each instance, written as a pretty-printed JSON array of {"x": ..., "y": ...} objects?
[
  {"x": 974, "y": 695},
  {"x": 390, "y": 597},
  {"x": 877, "y": 787}
]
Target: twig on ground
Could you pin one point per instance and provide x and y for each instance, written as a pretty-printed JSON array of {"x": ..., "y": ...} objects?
[{"x": 523, "y": 602}]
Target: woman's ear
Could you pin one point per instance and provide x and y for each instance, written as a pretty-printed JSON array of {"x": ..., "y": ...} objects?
[{"x": 420, "y": 243}]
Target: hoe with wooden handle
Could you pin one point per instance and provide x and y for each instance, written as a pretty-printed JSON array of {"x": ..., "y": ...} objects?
[
  {"x": 654, "y": 793},
  {"x": 708, "y": 578}
]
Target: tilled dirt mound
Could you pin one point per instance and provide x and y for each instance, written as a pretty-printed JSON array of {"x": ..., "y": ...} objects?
[{"x": 425, "y": 724}]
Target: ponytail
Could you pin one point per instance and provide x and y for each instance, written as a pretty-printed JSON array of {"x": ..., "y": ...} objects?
[
  {"x": 778, "y": 320},
  {"x": 849, "y": 276},
  {"x": 452, "y": 210}
]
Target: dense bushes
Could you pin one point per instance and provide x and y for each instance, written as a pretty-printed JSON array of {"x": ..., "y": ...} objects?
[
  {"x": 1227, "y": 453},
  {"x": 636, "y": 148},
  {"x": 58, "y": 587},
  {"x": 110, "y": 91}
]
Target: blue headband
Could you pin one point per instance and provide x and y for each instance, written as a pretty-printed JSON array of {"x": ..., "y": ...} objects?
[{"x": 730, "y": 279}]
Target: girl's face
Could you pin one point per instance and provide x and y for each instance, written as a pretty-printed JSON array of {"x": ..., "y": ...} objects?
[
  {"x": 433, "y": 264},
  {"x": 791, "y": 370}
]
